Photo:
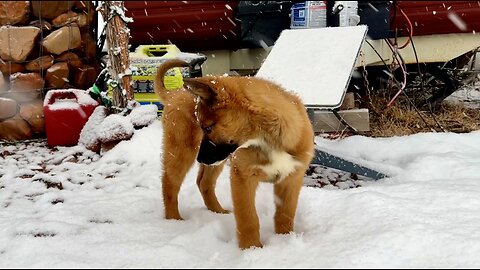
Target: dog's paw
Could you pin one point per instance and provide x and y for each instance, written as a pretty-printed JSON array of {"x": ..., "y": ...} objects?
[
  {"x": 175, "y": 217},
  {"x": 216, "y": 208},
  {"x": 221, "y": 211},
  {"x": 251, "y": 246}
]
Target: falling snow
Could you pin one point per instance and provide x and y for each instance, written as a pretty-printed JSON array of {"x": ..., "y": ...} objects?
[{"x": 459, "y": 23}]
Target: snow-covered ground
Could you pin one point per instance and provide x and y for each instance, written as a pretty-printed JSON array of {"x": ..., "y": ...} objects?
[
  {"x": 468, "y": 95},
  {"x": 72, "y": 208}
]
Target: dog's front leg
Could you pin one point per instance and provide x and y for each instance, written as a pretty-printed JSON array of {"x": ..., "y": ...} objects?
[
  {"x": 243, "y": 196},
  {"x": 244, "y": 182},
  {"x": 286, "y": 200}
]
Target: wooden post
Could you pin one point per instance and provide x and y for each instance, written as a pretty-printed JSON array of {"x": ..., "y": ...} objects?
[{"x": 118, "y": 34}]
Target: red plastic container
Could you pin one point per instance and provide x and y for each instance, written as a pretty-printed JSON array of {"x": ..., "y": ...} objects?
[{"x": 66, "y": 112}]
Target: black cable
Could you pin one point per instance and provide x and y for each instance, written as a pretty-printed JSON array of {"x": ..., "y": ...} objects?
[
  {"x": 375, "y": 50},
  {"x": 422, "y": 88},
  {"x": 394, "y": 5},
  {"x": 399, "y": 59},
  {"x": 418, "y": 66},
  {"x": 340, "y": 118},
  {"x": 403, "y": 92},
  {"x": 421, "y": 80}
]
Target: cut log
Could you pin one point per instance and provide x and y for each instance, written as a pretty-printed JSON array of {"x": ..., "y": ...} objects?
[
  {"x": 16, "y": 43},
  {"x": 43, "y": 25},
  {"x": 8, "y": 68},
  {"x": 81, "y": 19},
  {"x": 50, "y": 9},
  {"x": 14, "y": 129},
  {"x": 25, "y": 87},
  {"x": 83, "y": 5},
  {"x": 84, "y": 77},
  {"x": 63, "y": 39},
  {"x": 3, "y": 84},
  {"x": 33, "y": 114},
  {"x": 57, "y": 75},
  {"x": 87, "y": 9},
  {"x": 41, "y": 63},
  {"x": 65, "y": 18},
  {"x": 14, "y": 12},
  {"x": 26, "y": 81},
  {"x": 89, "y": 47},
  {"x": 8, "y": 108},
  {"x": 71, "y": 58}
]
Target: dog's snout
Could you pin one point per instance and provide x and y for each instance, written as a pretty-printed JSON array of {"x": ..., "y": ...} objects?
[{"x": 211, "y": 152}]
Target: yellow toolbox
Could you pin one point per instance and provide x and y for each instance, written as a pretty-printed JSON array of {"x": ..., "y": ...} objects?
[{"x": 144, "y": 62}]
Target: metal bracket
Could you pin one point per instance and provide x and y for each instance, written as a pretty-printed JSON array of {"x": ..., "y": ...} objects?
[{"x": 329, "y": 160}]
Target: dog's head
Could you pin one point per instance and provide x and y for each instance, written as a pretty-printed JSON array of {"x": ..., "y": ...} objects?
[{"x": 222, "y": 118}]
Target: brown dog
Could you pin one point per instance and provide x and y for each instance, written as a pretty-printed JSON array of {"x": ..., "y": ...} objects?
[{"x": 266, "y": 128}]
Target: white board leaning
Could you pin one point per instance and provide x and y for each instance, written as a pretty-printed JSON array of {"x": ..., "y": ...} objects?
[{"x": 316, "y": 63}]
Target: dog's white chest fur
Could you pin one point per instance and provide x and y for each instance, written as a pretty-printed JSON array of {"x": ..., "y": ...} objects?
[{"x": 281, "y": 163}]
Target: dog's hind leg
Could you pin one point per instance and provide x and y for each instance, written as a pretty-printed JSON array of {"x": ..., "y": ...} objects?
[
  {"x": 286, "y": 200},
  {"x": 178, "y": 158},
  {"x": 172, "y": 179},
  {"x": 206, "y": 181}
]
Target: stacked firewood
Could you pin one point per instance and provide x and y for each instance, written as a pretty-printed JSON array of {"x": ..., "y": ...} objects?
[{"x": 43, "y": 45}]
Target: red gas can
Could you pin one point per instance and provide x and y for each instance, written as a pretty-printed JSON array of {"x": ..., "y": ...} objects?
[{"x": 66, "y": 112}]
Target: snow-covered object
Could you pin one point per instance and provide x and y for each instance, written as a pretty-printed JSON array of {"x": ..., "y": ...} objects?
[
  {"x": 72, "y": 99},
  {"x": 66, "y": 112},
  {"x": 319, "y": 68},
  {"x": 143, "y": 115},
  {"x": 115, "y": 127},
  {"x": 88, "y": 136}
]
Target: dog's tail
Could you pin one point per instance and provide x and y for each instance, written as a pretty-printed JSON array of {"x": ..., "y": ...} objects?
[{"x": 161, "y": 71}]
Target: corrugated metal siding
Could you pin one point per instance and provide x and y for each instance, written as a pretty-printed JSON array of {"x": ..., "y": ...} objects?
[
  {"x": 190, "y": 25},
  {"x": 209, "y": 25},
  {"x": 431, "y": 17}
]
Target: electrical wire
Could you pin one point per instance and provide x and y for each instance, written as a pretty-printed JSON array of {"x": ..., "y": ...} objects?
[
  {"x": 410, "y": 33},
  {"x": 375, "y": 50},
  {"x": 419, "y": 71},
  {"x": 401, "y": 64},
  {"x": 344, "y": 122},
  {"x": 401, "y": 90},
  {"x": 422, "y": 89}
]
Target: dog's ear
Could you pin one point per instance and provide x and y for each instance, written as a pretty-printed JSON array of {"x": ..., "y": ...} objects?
[{"x": 199, "y": 88}]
